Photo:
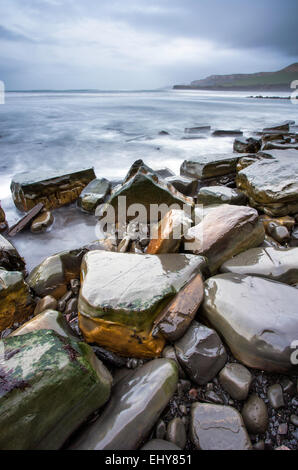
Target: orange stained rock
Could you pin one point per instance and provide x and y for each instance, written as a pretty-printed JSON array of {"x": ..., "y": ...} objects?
[
  {"x": 120, "y": 338},
  {"x": 15, "y": 307},
  {"x": 168, "y": 236},
  {"x": 286, "y": 221}
]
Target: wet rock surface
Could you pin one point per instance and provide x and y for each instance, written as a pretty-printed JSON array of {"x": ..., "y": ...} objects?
[
  {"x": 44, "y": 221},
  {"x": 94, "y": 194},
  {"x": 10, "y": 258},
  {"x": 220, "y": 195},
  {"x": 209, "y": 166},
  {"x": 236, "y": 380}
]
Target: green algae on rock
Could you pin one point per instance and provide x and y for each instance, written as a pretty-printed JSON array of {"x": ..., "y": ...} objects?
[
  {"x": 257, "y": 318},
  {"x": 122, "y": 294},
  {"x": 94, "y": 194},
  {"x": 53, "y": 189},
  {"x": 16, "y": 302},
  {"x": 59, "y": 382},
  {"x": 136, "y": 404}
]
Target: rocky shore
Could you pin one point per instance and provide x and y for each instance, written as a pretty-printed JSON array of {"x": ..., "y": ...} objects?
[{"x": 178, "y": 330}]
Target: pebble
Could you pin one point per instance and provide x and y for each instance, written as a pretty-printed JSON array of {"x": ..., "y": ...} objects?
[
  {"x": 193, "y": 393},
  {"x": 275, "y": 396},
  {"x": 161, "y": 429},
  {"x": 255, "y": 415},
  {"x": 294, "y": 420},
  {"x": 288, "y": 386},
  {"x": 212, "y": 397},
  {"x": 236, "y": 380},
  {"x": 71, "y": 306},
  {"x": 176, "y": 433},
  {"x": 283, "y": 429},
  {"x": 46, "y": 303},
  {"x": 75, "y": 286}
]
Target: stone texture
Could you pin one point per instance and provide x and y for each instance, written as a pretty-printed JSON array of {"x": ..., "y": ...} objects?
[
  {"x": 236, "y": 380},
  {"x": 10, "y": 258},
  {"x": 94, "y": 194},
  {"x": 226, "y": 133},
  {"x": 136, "y": 404},
  {"x": 225, "y": 232},
  {"x": 216, "y": 427},
  {"x": 53, "y": 189},
  {"x": 255, "y": 415},
  {"x": 122, "y": 294},
  {"x": 184, "y": 185},
  {"x": 283, "y": 126},
  {"x": 256, "y": 317},
  {"x": 46, "y": 303},
  {"x": 271, "y": 184},
  {"x": 170, "y": 353},
  {"x": 176, "y": 317},
  {"x": 209, "y": 166},
  {"x": 52, "y": 385},
  {"x": 249, "y": 145},
  {"x": 201, "y": 353},
  {"x": 16, "y": 302},
  {"x": 167, "y": 236},
  {"x": 176, "y": 432},
  {"x": 42, "y": 222},
  {"x": 47, "y": 320},
  {"x": 275, "y": 396},
  {"x": 273, "y": 263},
  {"x": 220, "y": 195}
]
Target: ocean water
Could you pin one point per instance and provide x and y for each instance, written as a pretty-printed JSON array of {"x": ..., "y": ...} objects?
[{"x": 109, "y": 131}]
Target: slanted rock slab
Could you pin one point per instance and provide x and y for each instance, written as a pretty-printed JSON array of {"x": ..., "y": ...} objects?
[{"x": 94, "y": 194}]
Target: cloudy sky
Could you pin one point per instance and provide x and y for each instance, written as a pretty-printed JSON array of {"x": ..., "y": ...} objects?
[{"x": 141, "y": 44}]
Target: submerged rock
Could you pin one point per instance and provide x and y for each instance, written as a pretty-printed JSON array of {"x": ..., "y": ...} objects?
[
  {"x": 256, "y": 317},
  {"x": 94, "y": 194},
  {"x": 167, "y": 236},
  {"x": 220, "y": 195},
  {"x": 136, "y": 404},
  {"x": 226, "y": 133},
  {"x": 16, "y": 303},
  {"x": 273, "y": 263},
  {"x": 271, "y": 184},
  {"x": 283, "y": 126},
  {"x": 53, "y": 189},
  {"x": 209, "y": 166},
  {"x": 216, "y": 427},
  {"x": 201, "y": 353},
  {"x": 10, "y": 259},
  {"x": 42, "y": 222},
  {"x": 225, "y": 232},
  {"x": 122, "y": 294},
  {"x": 58, "y": 380}
]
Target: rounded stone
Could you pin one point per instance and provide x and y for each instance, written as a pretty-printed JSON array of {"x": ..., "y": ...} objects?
[
  {"x": 236, "y": 380},
  {"x": 46, "y": 303},
  {"x": 42, "y": 222},
  {"x": 255, "y": 415},
  {"x": 275, "y": 396},
  {"x": 176, "y": 432}
]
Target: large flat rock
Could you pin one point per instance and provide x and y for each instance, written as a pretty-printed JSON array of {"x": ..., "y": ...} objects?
[
  {"x": 136, "y": 404},
  {"x": 271, "y": 184},
  {"x": 49, "y": 386},
  {"x": 211, "y": 165},
  {"x": 257, "y": 318},
  {"x": 51, "y": 188},
  {"x": 122, "y": 294},
  {"x": 273, "y": 263}
]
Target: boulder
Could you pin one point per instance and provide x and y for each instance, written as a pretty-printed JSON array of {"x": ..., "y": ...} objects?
[
  {"x": 216, "y": 427},
  {"x": 184, "y": 185},
  {"x": 47, "y": 320},
  {"x": 122, "y": 294},
  {"x": 16, "y": 303},
  {"x": 250, "y": 145},
  {"x": 3, "y": 222},
  {"x": 273, "y": 263},
  {"x": 51, "y": 188},
  {"x": 201, "y": 353},
  {"x": 50, "y": 385},
  {"x": 136, "y": 404},
  {"x": 225, "y": 232},
  {"x": 283, "y": 126},
  {"x": 210, "y": 166},
  {"x": 10, "y": 259},
  {"x": 42, "y": 222},
  {"x": 271, "y": 184},
  {"x": 176, "y": 317},
  {"x": 167, "y": 235},
  {"x": 256, "y": 317},
  {"x": 46, "y": 303},
  {"x": 221, "y": 195},
  {"x": 94, "y": 194}
]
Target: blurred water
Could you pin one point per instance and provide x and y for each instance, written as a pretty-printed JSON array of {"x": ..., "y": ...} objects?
[{"x": 110, "y": 130}]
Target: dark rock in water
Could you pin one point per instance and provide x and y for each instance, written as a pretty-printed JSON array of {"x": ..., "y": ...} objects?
[
  {"x": 284, "y": 126},
  {"x": 170, "y": 353},
  {"x": 272, "y": 263},
  {"x": 225, "y": 232},
  {"x": 53, "y": 189},
  {"x": 272, "y": 137},
  {"x": 94, "y": 194},
  {"x": 227, "y": 133},
  {"x": 201, "y": 353},
  {"x": 236, "y": 380},
  {"x": 216, "y": 427},
  {"x": 42, "y": 222},
  {"x": 275, "y": 396},
  {"x": 271, "y": 184},
  {"x": 184, "y": 185},
  {"x": 210, "y": 166},
  {"x": 176, "y": 432},
  {"x": 165, "y": 173},
  {"x": 159, "y": 444},
  {"x": 163, "y": 133},
  {"x": 175, "y": 319},
  {"x": 120, "y": 315},
  {"x": 246, "y": 312},
  {"x": 46, "y": 303},
  {"x": 3, "y": 222},
  {"x": 249, "y": 145},
  {"x": 255, "y": 415},
  {"x": 107, "y": 357},
  {"x": 16, "y": 302},
  {"x": 136, "y": 404},
  {"x": 143, "y": 186},
  {"x": 221, "y": 195},
  {"x": 25, "y": 221},
  {"x": 198, "y": 129},
  {"x": 10, "y": 259},
  {"x": 35, "y": 365},
  {"x": 294, "y": 237}
]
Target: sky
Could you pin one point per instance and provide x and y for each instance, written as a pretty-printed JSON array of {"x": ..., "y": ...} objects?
[{"x": 141, "y": 44}]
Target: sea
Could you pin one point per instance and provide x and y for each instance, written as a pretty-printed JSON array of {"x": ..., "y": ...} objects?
[{"x": 109, "y": 130}]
